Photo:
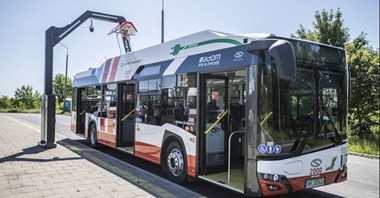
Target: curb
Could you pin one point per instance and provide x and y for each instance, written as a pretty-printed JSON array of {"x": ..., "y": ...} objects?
[{"x": 364, "y": 155}]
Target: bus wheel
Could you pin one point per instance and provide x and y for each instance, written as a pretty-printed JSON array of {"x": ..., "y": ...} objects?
[
  {"x": 92, "y": 136},
  {"x": 175, "y": 164}
]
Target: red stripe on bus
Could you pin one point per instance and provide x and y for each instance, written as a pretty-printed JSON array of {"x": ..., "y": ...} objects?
[
  {"x": 101, "y": 124},
  {"x": 110, "y": 126},
  {"x": 148, "y": 152},
  {"x": 266, "y": 192},
  {"x": 107, "y": 139},
  {"x": 106, "y": 70},
  {"x": 191, "y": 165},
  {"x": 114, "y": 68}
]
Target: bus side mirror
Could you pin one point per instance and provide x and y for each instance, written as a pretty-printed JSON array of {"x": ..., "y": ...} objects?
[{"x": 283, "y": 54}]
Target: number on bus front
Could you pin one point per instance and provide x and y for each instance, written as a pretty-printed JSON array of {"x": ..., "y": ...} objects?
[{"x": 316, "y": 171}]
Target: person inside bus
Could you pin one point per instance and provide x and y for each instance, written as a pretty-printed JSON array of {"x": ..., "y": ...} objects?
[
  {"x": 237, "y": 113},
  {"x": 142, "y": 112},
  {"x": 181, "y": 112},
  {"x": 178, "y": 111},
  {"x": 157, "y": 112},
  {"x": 101, "y": 108}
]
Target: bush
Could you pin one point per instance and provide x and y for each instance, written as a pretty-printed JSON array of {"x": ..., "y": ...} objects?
[{"x": 369, "y": 145}]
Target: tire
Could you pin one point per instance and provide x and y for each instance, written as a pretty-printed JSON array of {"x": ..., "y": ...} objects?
[
  {"x": 92, "y": 136},
  {"x": 174, "y": 163}
]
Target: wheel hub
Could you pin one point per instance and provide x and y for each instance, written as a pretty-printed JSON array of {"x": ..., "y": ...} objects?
[
  {"x": 175, "y": 162},
  {"x": 92, "y": 136}
]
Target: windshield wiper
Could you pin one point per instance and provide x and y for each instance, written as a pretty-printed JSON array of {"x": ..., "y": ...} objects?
[
  {"x": 299, "y": 144},
  {"x": 338, "y": 139}
]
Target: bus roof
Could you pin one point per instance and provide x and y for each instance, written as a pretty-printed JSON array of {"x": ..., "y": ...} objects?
[
  {"x": 168, "y": 55},
  {"x": 195, "y": 52}
]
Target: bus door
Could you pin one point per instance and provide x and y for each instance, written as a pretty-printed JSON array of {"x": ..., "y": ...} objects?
[
  {"x": 81, "y": 110},
  {"x": 222, "y": 128},
  {"x": 214, "y": 123},
  {"x": 126, "y": 119}
]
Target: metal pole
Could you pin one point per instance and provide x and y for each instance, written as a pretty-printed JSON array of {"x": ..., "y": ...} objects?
[
  {"x": 162, "y": 22},
  {"x": 53, "y": 36},
  {"x": 48, "y": 104},
  {"x": 65, "y": 89},
  {"x": 229, "y": 155}
]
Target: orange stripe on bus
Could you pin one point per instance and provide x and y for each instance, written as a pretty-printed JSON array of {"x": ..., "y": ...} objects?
[
  {"x": 101, "y": 124},
  {"x": 107, "y": 143},
  {"x": 106, "y": 138},
  {"x": 106, "y": 70},
  {"x": 191, "y": 165},
  {"x": 110, "y": 126},
  {"x": 148, "y": 152},
  {"x": 114, "y": 68}
]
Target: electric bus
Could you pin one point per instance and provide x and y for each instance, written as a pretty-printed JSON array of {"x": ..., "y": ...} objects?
[{"x": 258, "y": 114}]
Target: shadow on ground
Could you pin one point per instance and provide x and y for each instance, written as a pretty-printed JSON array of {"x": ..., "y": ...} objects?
[{"x": 27, "y": 154}]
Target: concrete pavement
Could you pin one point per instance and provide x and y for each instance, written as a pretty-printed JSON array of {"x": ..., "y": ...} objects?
[{"x": 69, "y": 170}]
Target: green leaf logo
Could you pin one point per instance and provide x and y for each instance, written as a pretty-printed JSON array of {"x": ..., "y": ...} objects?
[{"x": 331, "y": 167}]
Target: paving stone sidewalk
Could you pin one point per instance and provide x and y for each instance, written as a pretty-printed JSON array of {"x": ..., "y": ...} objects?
[{"x": 69, "y": 170}]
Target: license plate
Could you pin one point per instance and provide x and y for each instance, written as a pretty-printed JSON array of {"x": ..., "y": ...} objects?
[{"x": 315, "y": 182}]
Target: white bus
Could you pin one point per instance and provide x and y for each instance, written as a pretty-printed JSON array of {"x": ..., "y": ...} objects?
[{"x": 258, "y": 114}]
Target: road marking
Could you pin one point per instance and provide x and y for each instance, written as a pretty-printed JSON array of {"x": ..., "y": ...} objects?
[{"x": 23, "y": 123}]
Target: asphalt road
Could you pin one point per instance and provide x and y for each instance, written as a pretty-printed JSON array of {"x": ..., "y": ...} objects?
[{"x": 363, "y": 173}]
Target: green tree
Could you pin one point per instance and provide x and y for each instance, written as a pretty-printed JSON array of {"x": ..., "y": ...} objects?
[
  {"x": 363, "y": 62},
  {"x": 59, "y": 87},
  {"x": 5, "y": 102},
  {"x": 24, "y": 98},
  {"x": 328, "y": 29}
]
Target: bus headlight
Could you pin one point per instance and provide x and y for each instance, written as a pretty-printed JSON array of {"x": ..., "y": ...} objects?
[
  {"x": 275, "y": 177},
  {"x": 273, "y": 184}
]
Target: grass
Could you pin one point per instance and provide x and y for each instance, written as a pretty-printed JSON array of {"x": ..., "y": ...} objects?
[
  {"x": 367, "y": 146},
  {"x": 19, "y": 110}
]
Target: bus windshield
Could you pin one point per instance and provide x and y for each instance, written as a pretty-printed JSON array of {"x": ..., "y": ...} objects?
[{"x": 305, "y": 115}]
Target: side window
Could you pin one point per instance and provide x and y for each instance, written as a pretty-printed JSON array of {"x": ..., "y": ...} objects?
[
  {"x": 173, "y": 101},
  {"x": 179, "y": 100},
  {"x": 74, "y": 99},
  {"x": 148, "y": 109},
  {"x": 94, "y": 95},
  {"x": 109, "y": 99}
]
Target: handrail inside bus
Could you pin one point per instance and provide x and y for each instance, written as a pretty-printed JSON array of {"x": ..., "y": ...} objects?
[
  {"x": 217, "y": 121},
  {"x": 81, "y": 113},
  {"x": 266, "y": 118},
  {"x": 229, "y": 153},
  {"x": 126, "y": 116}
]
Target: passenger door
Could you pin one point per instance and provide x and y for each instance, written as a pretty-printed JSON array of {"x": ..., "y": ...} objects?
[
  {"x": 126, "y": 120},
  {"x": 81, "y": 110},
  {"x": 214, "y": 122}
]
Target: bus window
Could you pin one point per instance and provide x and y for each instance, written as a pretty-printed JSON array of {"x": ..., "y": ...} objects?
[
  {"x": 148, "y": 108},
  {"x": 74, "y": 99},
  {"x": 109, "y": 98},
  {"x": 179, "y": 99},
  {"x": 94, "y": 94}
]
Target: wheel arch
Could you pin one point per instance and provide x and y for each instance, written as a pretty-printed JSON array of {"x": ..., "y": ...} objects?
[
  {"x": 91, "y": 121},
  {"x": 169, "y": 137}
]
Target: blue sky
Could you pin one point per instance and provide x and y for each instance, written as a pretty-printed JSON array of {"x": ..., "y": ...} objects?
[{"x": 23, "y": 24}]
